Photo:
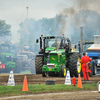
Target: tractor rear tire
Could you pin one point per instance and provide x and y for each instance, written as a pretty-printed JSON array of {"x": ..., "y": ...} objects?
[
  {"x": 72, "y": 64},
  {"x": 39, "y": 64}
]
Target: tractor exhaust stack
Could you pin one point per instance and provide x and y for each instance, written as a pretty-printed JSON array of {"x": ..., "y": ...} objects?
[{"x": 81, "y": 37}]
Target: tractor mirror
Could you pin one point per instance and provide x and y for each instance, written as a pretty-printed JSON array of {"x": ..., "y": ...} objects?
[{"x": 37, "y": 40}]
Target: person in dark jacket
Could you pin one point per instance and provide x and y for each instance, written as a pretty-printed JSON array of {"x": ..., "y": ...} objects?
[{"x": 85, "y": 60}]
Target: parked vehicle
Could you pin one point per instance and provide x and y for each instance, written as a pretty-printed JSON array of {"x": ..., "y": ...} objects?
[{"x": 93, "y": 52}]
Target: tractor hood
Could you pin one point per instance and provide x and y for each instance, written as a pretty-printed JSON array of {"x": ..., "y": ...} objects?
[
  {"x": 60, "y": 51},
  {"x": 94, "y": 48},
  {"x": 55, "y": 56},
  {"x": 50, "y": 49}
]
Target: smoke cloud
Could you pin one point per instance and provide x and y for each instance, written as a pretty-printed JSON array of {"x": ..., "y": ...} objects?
[{"x": 85, "y": 14}]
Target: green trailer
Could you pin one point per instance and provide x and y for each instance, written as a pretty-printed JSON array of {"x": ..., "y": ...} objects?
[
  {"x": 7, "y": 54},
  {"x": 7, "y": 59}
]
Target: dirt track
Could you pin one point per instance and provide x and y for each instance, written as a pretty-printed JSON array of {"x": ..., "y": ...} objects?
[
  {"x": 80, "y": 95},
  {"x": 38, "y": 79}
]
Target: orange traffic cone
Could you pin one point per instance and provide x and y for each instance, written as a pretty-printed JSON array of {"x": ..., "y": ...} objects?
[
  {"x": 25, "y": 86},
  {"x": 79, "y": 84}
]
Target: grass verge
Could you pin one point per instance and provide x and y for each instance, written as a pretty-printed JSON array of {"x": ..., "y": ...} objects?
[{"x": 33, "y": 89}]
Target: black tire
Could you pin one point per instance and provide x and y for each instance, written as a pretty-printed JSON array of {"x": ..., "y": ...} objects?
[
  {"x": 33, "y": 66},
  {"x": 63, "y": 71},
  {"x": 81, "y": 72},
  {"x": 39, "y": 64},
  {"x": 90, "y": 74},
  {"x": 72, "y": 64},
  {"x": 44, "y": 74},
  {"x": 94, "y": 69},
  {"x": 18, "y": 67}
]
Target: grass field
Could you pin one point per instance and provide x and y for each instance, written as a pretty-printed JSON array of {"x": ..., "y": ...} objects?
[{"x": 33, "y": 89}]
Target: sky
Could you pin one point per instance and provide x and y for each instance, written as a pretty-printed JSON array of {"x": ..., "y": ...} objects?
[{"x": 14, "y": 11}]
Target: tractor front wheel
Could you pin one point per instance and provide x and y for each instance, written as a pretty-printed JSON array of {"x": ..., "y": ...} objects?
[
  {"x": 39, "y": 64},
  {"x": 44, "y": 74}
]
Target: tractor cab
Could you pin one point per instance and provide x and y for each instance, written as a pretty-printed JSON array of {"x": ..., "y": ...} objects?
[{"x": 50, "y": 43}]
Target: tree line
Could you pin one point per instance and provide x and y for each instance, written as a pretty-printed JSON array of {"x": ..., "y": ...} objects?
[{"x": 31, "y": 29}]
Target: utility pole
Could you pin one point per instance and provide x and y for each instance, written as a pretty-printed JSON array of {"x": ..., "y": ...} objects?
[
  {"x": 81, "y": 37},
  {"x": 27, "y": 11},
  {"x": 81, "y": 29},
  {"x": 80, "y": 4},
  {"x": 27, "y": 24}
]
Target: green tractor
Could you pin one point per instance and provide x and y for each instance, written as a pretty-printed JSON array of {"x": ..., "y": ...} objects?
[
  {"x": 55, "y": 56},
  {"x": 6, "y": 58}
]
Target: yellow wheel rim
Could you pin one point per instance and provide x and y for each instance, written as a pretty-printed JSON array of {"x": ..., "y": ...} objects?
[
  {"x": 64, "y": 71},
  {"x": 79, "y": 65},
  {"x": 45, "y": 73}
]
